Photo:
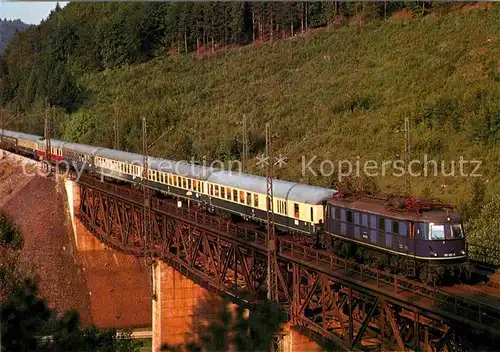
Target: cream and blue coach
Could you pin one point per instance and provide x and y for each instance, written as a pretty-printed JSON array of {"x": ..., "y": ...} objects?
[{"x": 296, "y": 206}]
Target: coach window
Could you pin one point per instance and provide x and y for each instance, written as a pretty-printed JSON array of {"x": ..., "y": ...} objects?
[
  {"x": 189, "y": 183},
  {"x": 395, "y": 227},
  {"x": 255, "y": 201},
  {"x": 381, "y": 224},
  {"x": 211, "y": 189},
  {"x": 216, "y": 191},
  {"x": 338, "y": 214},
  {"x": 349, "y": 216},
  {"x": 223, "y": 192},
  {"x": 249, "y": 199},
  {"x": 195, "y": 185},
  {"x": 170, "y": 179},
  {"x": 242, "y": 197},
  {"x": 235, "y": 195},
  {"x": 296, "y": 210},
  {"x": 228, "y": 194}
]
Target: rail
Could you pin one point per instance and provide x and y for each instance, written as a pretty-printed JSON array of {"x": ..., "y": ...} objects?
[{"x": 430, "y": 298}]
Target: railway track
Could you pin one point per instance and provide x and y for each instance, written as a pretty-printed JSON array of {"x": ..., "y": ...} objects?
[{"x": 436, "y": 302}]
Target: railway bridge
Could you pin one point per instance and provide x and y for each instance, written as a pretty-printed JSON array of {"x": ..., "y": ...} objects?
[{"x": 327, "y": 298}]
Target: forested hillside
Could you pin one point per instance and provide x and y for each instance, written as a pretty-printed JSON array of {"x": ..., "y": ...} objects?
[
  {"x": 344, "y": 75},
  {"x": 8, "y": 29}
]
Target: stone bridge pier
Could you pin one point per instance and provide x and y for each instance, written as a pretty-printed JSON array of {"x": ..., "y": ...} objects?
[
  {"x": 117, "y": 283},
  {"x": 174, "y": 311}
]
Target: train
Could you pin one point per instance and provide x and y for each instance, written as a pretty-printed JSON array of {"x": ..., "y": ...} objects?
[{"x": 421, "y": 240}]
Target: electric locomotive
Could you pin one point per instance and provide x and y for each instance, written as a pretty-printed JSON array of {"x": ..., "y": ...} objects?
[{"x": 416, "y": 238}]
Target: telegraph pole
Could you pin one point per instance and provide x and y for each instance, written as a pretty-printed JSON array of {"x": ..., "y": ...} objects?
[
  {"x": 407, "y": 157},
  {"x": 272, "y": 277},
  {"x": 116, "y": 128},
  {"x": 2, "y": 121},
  {"x": 146, "y": 223},
  {"x": 47, "y": 135},
  {"x": 245, "y": 145}
]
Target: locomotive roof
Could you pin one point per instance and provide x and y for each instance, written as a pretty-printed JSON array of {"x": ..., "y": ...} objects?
[
  {"x": 378, "y": 208},
  {"x": 282, "y": 189}
]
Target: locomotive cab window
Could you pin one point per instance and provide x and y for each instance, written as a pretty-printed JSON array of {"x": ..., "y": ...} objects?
[
  {"x": 436, "y": 232},
  {"x": 457, "y": 231}
]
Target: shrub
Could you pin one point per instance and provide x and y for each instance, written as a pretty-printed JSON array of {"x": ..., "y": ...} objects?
[{"x": 10, "y": 234}]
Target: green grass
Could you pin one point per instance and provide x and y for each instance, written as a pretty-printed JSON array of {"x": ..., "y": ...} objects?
[{"x": 348, "y": 89}]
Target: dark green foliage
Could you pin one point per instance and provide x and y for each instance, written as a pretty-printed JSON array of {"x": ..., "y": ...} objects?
[
  {"x": 23, "y": 318},
  {"x": 28, "y": 324},
  {"x": 217, "y": 328},
  {"x": 43, "y": 63},
  {"x": 8, "y": 29},
  {"x": 10, "y": 234},
  {"x": 471, "y": 208},
  {"x": 352, "y": 103},
  {"x": 487, "y": 127},
  {"x": 435, "y": 114},
  {"x": 256, "y": 332}
]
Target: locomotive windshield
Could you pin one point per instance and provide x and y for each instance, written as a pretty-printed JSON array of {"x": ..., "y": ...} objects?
[{"x": 445, "y": 231}]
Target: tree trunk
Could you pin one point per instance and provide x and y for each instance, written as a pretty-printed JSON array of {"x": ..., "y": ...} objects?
[
  {"x": 271, "y": 22},
  {"x": 260, "y": 29},
  {"x": 385, "y": 9},
  {"x": 302, "y": 19},
  {"x": 253, "y": 26},
  {"x": 185, "y": 40},
  {"x": 213, "y": 44},
  {"x": 307, "y": 10},
  {"x": 291, "y": 28},
  {"x": 197, "y": 45}
]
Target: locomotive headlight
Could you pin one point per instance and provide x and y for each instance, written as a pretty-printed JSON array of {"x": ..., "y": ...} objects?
[
  {"x": 433, "y": 254},
  {"x": 462, "y": 252}
]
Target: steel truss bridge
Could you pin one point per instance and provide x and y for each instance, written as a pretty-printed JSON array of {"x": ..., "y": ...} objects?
[{"x": 326, "y": 297}]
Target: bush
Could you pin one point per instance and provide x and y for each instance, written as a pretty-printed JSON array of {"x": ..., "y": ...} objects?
[
  {"x": 10, "y": 234},
  {"x": 485, "y": 229}
]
